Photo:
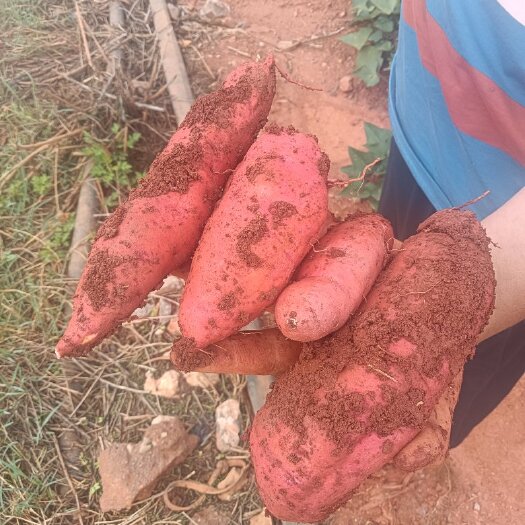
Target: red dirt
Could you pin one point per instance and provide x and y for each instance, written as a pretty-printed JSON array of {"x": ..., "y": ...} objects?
[
  {"x": 187, "y": 357},
  {"x": 252, "y": 234},
  {"x": 100, "y": 272}
]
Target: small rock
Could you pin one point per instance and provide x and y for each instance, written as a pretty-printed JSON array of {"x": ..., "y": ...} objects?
[
  {"x": 477, "y": 506},
  {"x": 342, "y": 14},
  {"x": 214, "y": 9},
  {"x": 130, "y": 471},
  {"x": 143, "y": 311},
  {"x": 285, "y": 44},
  {"x": 171, "y": 284},
  {"x": 210, "y": 516},
  {"x": 261, "y": 519},
  {"x": 200, "y": 380},
  {"x": 346, "y": 84},
  {"x": 173, "y": 326},
  {"x": 233, "y": 475},
  {"x": 167, "y": 385},
  {"x": 228, "y": 420}
]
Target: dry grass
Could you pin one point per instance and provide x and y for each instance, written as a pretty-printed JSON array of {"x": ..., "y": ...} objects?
[{"x": 55, "y": 85}]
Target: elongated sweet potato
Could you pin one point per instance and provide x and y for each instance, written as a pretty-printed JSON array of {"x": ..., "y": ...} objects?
[
  {"x": 266, "y": 352},
  {"x": 334, "y": 278},
  {"x": 274, "y": 208},
  {"x": 157, "y": 229},
  {"x": 357, "y": 397}
]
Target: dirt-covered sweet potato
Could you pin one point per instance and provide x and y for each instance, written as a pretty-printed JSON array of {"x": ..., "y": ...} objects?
[
  {"x": 334, "y": 278},
  {"x": 157, "y": 229},
  {"x": 357, "y": 397},
  {"x": 273, "y": 210}
]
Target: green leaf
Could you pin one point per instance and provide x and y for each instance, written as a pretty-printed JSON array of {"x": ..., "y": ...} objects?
[
  {"x": 362, "y": 9},
  {"x": 368, "y": 63},
  {"x": 41, "y": 184},
  {"x": 386, "y": 6},
  {"x": 358, "y": 38},
  {"x": 359, "y": 160},
  {"x": 376, "y": 192},
  {"x": 376, "y": 36},
  {"x": 384, "y": 23},
  {"x": 385, "y": 45},
  {"x": 133, "y": 139},
  {"x": 8, "y": 257},
  {"x": 94, "y": 488},
  {"x": 377, "y": 139}
]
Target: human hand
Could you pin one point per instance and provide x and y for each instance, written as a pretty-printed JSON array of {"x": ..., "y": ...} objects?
[
  {"x": 430, "y": 446},
  {"x": 269, "y": 352},
  {"x": 370, "y": 393}
]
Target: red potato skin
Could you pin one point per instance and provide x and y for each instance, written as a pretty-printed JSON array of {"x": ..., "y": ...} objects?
[
  {"x": 357, "y": 397},
  {"x": 334, "y": 278},
  {"x": 157, "y": 229},
  {"x": 273, "y": 210}
]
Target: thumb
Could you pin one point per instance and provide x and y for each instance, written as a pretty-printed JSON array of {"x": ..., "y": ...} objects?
[{"x": 430, "y": 446}]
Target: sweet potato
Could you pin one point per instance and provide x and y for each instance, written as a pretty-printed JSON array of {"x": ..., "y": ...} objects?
[
  {"x": 334, "y": 278},
  {"x": 357, "y": 397},
  {"x": 274, "y": 208},
  {"x": 266, "y": 352},
  {"x": 157, "y": 229}
]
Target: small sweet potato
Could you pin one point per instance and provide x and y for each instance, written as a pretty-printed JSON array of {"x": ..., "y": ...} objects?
[
  {"x": 334, "y": 278},
  {"x": 357, "y": 397},
  {"x": 266, "y": 352},
  {"x": 157, "y": 229},
  {"x": 273, "y": 210}
]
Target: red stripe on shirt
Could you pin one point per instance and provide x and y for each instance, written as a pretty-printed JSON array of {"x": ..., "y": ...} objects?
[{"x": 477, "y": 105}]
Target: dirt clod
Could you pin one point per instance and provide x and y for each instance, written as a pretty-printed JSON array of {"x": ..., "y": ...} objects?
[
  {"x": 173, "y": 170},
  {"x": 186, "y": 357},
  {"x": 99, "y": 274},
  {"x": 281, "y": 210}
]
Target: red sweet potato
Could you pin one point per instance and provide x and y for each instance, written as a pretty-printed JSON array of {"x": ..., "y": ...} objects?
[
  {"x": 273, "y": 210},
  {"x": 157, "y": 229},
  {"x": 334, "y": 278},
  {"x": 357, "y": 397}
]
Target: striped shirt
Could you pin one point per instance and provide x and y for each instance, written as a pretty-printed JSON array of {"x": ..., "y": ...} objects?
[{"x": 457, "y": 99}]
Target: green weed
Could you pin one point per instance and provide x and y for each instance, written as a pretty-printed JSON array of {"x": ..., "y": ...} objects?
[
  {"x": 368, "y": 187},
  {"x": 110, "y": 162},
  {"x": 374, "y": 35}
]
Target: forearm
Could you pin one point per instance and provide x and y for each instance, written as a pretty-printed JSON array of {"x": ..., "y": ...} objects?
[{"x": 506, "y": 228}]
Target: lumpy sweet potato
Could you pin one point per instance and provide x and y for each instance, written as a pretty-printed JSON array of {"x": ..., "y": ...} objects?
[
  {"x": 157, "y": 229},
  {"x": 357, "y": 397},
  {"x": 273, "y": 210},
  {"x": 334, "y": 278}
]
